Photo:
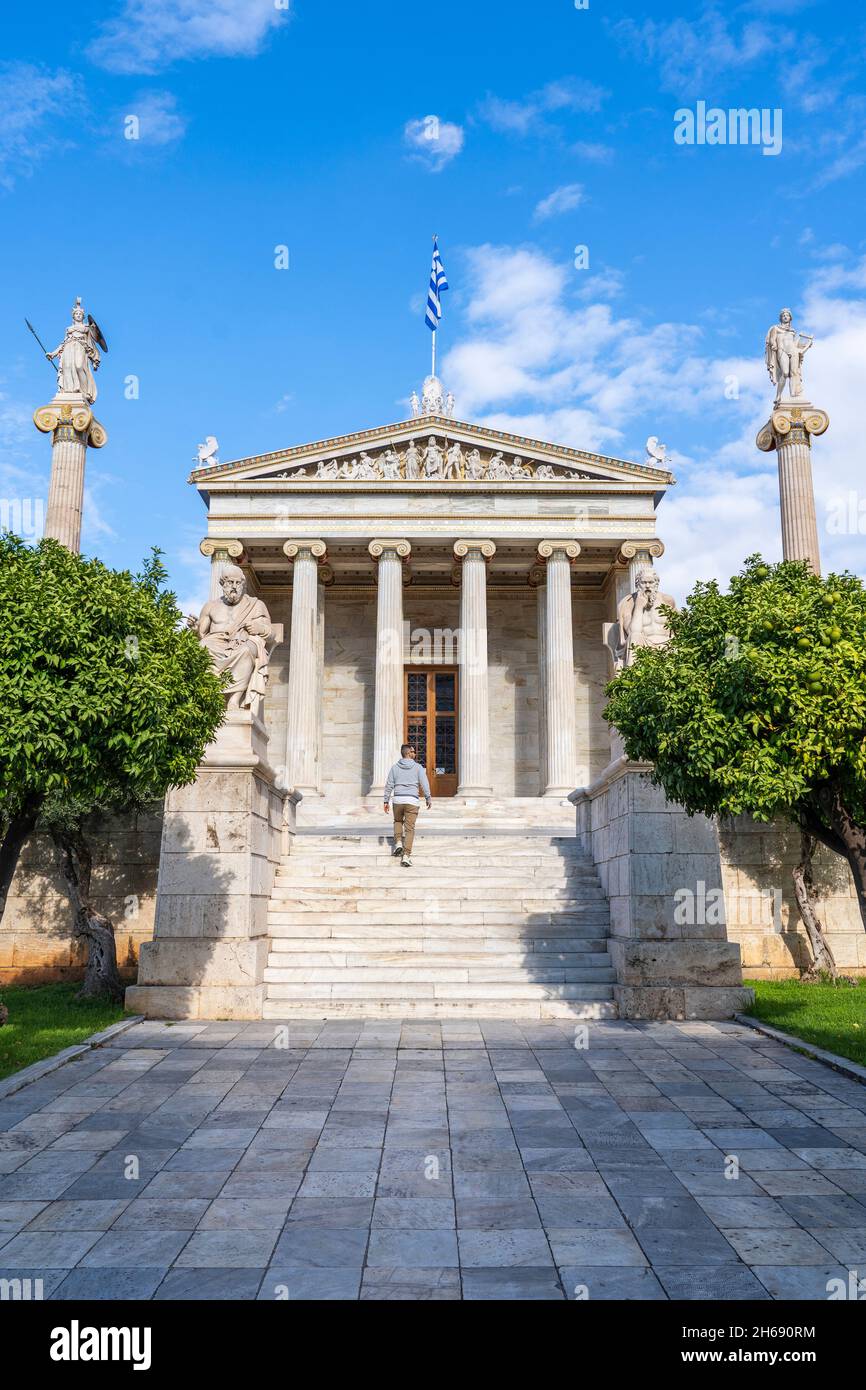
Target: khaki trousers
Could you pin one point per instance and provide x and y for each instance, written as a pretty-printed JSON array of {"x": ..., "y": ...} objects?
[{"x": 404, "y": 821}]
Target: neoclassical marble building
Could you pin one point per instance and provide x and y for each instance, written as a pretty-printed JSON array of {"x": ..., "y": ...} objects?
[
  {"x": 438, "y": 581},
  {"x": 457, "y": 587}
]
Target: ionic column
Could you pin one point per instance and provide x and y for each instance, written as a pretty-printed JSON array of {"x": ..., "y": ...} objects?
[
  {"x": 222, "y": 553},
  {"x": 559, "y": 667},
  {"x": 390, "y": 556},
  {"x": 303, "y": 699},
  {"x": 789, "y": 431},
  {"x": 473, "y": 703},
  {"x": 637, "y": 555},
  {"x": 72, "y": 427},
  {"x": 536, "y": 579}
]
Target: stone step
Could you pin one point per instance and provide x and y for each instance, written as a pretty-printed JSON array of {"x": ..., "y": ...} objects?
[
  {"x": 491, "y": 922},
  {"x": 375, "y": 975},
  {"x": 430, "y": 851},
  {"x": 529, "y": 961},
  {"x": 537, "y": 922},
  {"x": 526, "y": 1011},
  {"x": 531, "y": 847},
  {"x": 420, "y": 878},
  {"x": 437, "y": 944},
  {"x": 444, "y": 939},
  {"x": 408, "y": 992}
]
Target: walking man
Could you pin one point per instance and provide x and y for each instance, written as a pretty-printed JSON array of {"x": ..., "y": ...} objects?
[{"x": 406, "y": 781}]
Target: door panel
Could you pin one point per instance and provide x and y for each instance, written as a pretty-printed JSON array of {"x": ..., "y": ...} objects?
[{"x": 431, "y": 724}]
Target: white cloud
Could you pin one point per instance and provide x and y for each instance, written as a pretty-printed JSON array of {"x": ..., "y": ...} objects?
[
  {"x": 150, "y": 34},
  {"x": 37, "y": 111},
  {"x": 158, "y": 121},
  {"x": 433, "y": 141},
  {"x": 562, "y": 199},
  {"x": 688, "y": 55},
  {"x": 530, "y": 116},
  {"x": 593, "y": 150},
  {"x": 548, "y": 360}
]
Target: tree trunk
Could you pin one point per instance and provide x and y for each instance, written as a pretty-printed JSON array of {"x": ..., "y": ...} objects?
[
  {"x": 17, "y": 831},
  {"x": 101, "y": 977},
  {"x": 831, "y": 823},
  {"x": 823, "y": 961}
]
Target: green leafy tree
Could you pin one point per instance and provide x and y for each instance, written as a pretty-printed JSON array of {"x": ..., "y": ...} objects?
[
  {"x": 107, "y": 700},
  {"x": 758, "y": 705}
]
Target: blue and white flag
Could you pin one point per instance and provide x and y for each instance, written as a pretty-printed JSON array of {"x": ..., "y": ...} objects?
[{"x": 438, "y": 283}]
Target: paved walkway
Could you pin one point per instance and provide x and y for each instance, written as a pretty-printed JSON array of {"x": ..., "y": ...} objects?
[{"x": 435, "y": 1161}]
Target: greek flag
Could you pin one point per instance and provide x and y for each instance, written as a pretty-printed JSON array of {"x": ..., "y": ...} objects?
[{"x": 438, "y": 283}]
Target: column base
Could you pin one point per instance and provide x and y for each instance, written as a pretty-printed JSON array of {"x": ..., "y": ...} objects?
[
  {"x": 562, "y": 793},
  {"x": 474, "y": 791}
]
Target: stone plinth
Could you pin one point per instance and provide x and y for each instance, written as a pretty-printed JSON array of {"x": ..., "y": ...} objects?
[
  {"x": 662, "y": 874},
  {"x": 789, "y": 431},
  {"x": 222, "y": 840}
]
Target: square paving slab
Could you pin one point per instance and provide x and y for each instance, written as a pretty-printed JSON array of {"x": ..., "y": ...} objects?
[{"x": 453, "y": 1160}]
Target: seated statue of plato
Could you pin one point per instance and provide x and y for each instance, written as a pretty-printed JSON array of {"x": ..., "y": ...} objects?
[{"x": 237, "y": 631}]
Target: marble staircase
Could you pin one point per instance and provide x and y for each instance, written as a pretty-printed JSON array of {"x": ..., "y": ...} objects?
[{"x": 499, "y": 923}]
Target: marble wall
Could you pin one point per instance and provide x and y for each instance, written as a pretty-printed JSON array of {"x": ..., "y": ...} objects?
[
  {"x": 761, "y": 909},
  {"x": 36, "y": 942},
  {"x": 349, "y": 645}
]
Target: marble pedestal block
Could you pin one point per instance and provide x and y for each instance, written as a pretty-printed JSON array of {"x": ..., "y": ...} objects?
[
  {"x": 222, "y": 840},
  {"x": 662, "y": 874}
]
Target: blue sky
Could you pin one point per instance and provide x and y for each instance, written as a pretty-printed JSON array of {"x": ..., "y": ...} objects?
[{"x": 350, "y": 133}]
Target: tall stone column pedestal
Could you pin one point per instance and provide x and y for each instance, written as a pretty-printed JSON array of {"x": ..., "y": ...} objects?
[
  {"x": 222, "y": 840},
  {"x": 789, "y": 431},
  {"x": 72, "y": 426},
  {"x": 662, "y": 874}
]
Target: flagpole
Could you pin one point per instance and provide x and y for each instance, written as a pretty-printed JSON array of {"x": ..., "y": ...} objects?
[{"x": 433, "y": 366}]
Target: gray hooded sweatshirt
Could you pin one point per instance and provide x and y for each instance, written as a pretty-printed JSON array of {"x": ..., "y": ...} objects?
[{"x": 405, "y": 780}]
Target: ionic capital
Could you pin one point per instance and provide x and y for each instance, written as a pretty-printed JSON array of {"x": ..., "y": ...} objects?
[
  {"x": 377, "y": 548},
  {"x": 218, "y": 549},
  {"x": 318, "y": 550},
  {"x": 486, "y": 549},
  {"x": 630, "y": 549},
  {"x": 792, "y": 425},
  {"x": 547, "y": 549},
  {"x": 68, "y": 420}
]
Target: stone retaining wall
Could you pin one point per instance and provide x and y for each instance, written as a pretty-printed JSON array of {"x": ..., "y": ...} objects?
[{"x": 36, "y": 942}]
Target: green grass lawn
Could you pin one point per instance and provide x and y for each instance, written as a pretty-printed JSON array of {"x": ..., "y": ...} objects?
[
  {"x": 46, "y": 1019},
  {"x": 826, "y": 1015}
]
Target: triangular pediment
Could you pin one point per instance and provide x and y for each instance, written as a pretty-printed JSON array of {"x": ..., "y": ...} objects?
[{"x": 428, "y": 450}]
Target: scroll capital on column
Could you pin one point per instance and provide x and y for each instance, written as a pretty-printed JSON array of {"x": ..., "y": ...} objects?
[
  {"x": 401, "y": 548},
  {"x": 547, "y": 549},
  {"x": 318, "y": 549},
  {"x": 792, "y": 425},
  {"x": 631, "y": 550},
  {"x": 215, "y": 547},
  {"x": 486, "y": 549}
]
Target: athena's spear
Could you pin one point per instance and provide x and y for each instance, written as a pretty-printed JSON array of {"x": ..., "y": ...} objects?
[{"x": 41, "y": 344}]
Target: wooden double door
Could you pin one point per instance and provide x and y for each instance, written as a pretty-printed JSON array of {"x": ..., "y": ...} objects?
[{"x": 430, "y": 723}]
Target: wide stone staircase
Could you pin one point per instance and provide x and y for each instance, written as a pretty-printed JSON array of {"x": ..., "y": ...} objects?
[{"x": 487, "y": 924}]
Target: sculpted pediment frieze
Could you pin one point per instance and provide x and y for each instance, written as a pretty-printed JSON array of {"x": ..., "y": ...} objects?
[{"x": 433, "y": 458}]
